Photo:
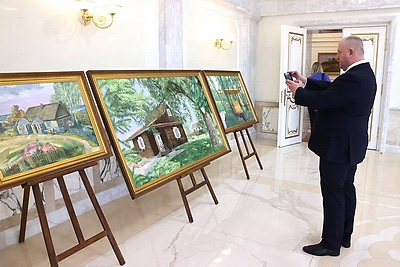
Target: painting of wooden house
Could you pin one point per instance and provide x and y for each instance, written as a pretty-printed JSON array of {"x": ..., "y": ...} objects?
[
  {"x": 162, "y": 133},
  {"x": 24, "y": 126},
  {"x": 48, "y": 118}
]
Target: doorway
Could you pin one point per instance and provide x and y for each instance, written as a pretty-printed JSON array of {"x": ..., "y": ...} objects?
[{"x": 321, "y": 46}]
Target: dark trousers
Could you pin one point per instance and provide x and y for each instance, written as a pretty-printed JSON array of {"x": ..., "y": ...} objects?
[{"x": 339, "y": 202}]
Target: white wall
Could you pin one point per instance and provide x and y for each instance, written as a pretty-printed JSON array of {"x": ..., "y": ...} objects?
[
  {"x": 206, "y": 20},
  {"x": 268, "y": 57},
  {"x": 202, "y": 26},
  {"x": 48, "y": 35}
]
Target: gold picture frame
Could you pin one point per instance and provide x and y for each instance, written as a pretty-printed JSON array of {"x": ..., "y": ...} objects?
[
  {"x": 49, "y": 125},
  {"x": 232, "y": 99},
  {"x": 162, "y": 124}
]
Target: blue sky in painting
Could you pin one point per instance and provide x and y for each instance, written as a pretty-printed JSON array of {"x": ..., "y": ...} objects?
[{"x": 24, "y": 95}]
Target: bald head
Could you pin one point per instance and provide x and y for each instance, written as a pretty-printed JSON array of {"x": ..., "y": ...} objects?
[
  {"x": 355, "y": 43},
  {"x": 350, "y": 51}
]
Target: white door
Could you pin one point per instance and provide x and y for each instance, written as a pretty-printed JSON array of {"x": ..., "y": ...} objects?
[
  {"x": 290, "y": 121},
  {"x": 374, "y": 39}
]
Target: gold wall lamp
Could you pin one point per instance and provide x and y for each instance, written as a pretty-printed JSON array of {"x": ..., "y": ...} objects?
[
  {"x": 223, "y": 43},
  {"x": 102, "y": 21},
  {"x": 101, "y": 14}
]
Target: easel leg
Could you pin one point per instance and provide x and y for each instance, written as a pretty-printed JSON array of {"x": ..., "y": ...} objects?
[
  {"x": 102, "y": 218},
  {"x": 203, "y": 172},
  {"x": 244, "y": 142},
  {"x": 45, "y": 226},
  {"x": 184, "y": 199},
  {"x": 254, "y": 149},
  {"x": 70, "y": 209},
  {"x": 194, "y": 187},
  {"x": 241, "y": 156},
  {"x": 24, "y": 214}
]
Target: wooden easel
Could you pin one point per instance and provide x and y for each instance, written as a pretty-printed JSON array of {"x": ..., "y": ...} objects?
[
  {"x": 194, "y": 187},
  {"x": 249, "y": 153},
  {"x": 82, "y": 242}
]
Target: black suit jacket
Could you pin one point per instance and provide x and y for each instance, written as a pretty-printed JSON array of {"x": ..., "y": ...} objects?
[{"x": 339, "y": 133}]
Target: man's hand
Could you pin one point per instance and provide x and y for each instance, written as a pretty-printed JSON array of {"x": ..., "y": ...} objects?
[
  {"x": 294, "y": 85},
  {"x": 298, "y": 76}
]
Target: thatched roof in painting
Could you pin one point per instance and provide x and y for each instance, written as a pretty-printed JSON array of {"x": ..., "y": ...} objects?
[{"x": 47, "y": 112}]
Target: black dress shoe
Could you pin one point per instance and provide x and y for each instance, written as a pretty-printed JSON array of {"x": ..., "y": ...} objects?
[
  {"x": 346, "y": 244},
  {"x": 319, "y": 250}
]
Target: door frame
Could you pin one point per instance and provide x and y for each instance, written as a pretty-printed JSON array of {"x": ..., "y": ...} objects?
[{"x": 290, "y": 116}]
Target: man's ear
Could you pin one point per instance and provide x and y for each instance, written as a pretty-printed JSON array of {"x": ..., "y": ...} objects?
[{"x": 351, "y": 51}]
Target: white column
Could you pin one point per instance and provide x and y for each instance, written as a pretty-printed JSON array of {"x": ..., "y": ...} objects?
[
  {"x": 171, "y": 34},
  {"x": 247, "y": 52}
]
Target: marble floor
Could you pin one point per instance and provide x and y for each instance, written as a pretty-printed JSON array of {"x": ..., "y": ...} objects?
[{"x": 263, "y": 221}]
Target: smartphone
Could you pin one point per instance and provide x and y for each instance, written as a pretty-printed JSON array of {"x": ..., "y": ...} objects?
[{"x": 288, "y": 76}]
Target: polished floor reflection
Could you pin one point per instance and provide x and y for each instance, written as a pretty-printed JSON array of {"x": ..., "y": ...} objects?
[{"x": 263, "y": 221}]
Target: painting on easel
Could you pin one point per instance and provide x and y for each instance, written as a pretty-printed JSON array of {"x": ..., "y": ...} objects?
[
  {"x": 231, "y": 99},
  {"x": 162, "y": 124},
  {"x": 48, "y": 122}
]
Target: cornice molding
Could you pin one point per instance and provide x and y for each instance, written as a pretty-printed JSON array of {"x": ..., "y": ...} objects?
[
  {"x": 263, "y": 8},
  {"x": 293, "y": 7}
]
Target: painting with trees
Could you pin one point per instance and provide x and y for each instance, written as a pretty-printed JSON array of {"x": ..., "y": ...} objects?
[
  {"x": 48, "y": 121},
  {"x": 231, "y": 99},
  {"x": 161, "y": 123}
]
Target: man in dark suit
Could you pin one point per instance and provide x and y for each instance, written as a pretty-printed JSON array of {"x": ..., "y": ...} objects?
[{"x": 339, "y": 137}]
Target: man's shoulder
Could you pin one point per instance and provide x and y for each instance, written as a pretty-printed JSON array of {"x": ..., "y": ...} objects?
[
  {"x": 363, "y": 65},
  {"x": 361, "y": 69}
]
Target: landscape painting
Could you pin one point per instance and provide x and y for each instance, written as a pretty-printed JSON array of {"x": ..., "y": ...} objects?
[
  {"x": 162, "y": 124},
  {"x": 329, "y": 63},
  {"x": 231, "y": 99},
  {"x": 48, "y": 121}
]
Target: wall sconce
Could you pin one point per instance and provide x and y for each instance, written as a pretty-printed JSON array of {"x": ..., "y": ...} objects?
[
  {"x": 223, "y": 43},
  {"x": 101, "y": 15},
  {"x": 102, "y": 21}
]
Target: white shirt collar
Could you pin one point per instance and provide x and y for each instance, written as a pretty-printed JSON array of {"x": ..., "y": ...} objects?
[{"x": 356, "y": 63}]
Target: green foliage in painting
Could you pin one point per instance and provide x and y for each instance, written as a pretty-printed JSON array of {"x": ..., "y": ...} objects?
[
  {"x": 84, "y": 132},
  {"x": 69, "y": 95},
  {"x": 125, "y": 104},
  {"x": 231, "y": 100},
  {"x": 196, "y": 150},
  {"x": 162, "y": 124},
  {"x": 73, "y": 148},
  {"x": 188, "y": 153},
  {"x": 180, "y": 93},
  {"x": 164, "y": 166},
  {"x": 132, "y": 156}
]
